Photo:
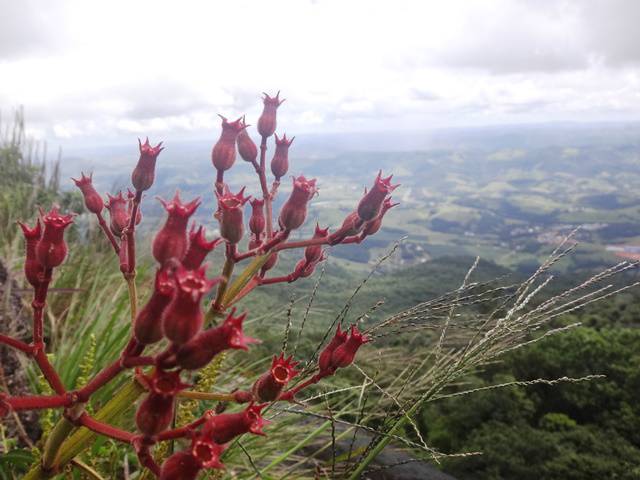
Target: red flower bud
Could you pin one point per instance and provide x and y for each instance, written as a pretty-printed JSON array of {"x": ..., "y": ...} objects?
[
  {"x": 155, "y": 412},
  {"x": 199, "y": 248},
  {"x": 118, "y": 214},
  {"x": 267, "y": 121},
  {"x": 201, "y": 349},
  {"x": 313, "y": 252},
  {"x": 183, "y": 318},
  {"x": 143, "y": 175},
  {"x": 304, "y": 268},
  {"x": 171, "y": 239},
  {"x": 246, "y": 148},
  {"x": 269, "y": 264},
  {"x": 180, "y": 466},
  {"x": 223, "y": 154},
  {"x": 294, "y": 210},
  {"x": 268, "y": 387},
  {"x": 324, "y": 361},
  {"x": 51, "y": 250},
  {"x": 280, "y": 160},
  {"x": 351, "y": 225},
  {"x": 206, "y": 452},
  {"x": 344, "y": 354},
  {"x": 372, "y": 226},
  {"x": 92, "y": 199},
  {"x": 230, "y": 214},
  {"x": 225, "y": 427},
  {"x": 147, "y": 326},
  {"x": 257, "y": 221},
  {"x": 371, "y": 203},
  {"x": 32, "y": 267}
]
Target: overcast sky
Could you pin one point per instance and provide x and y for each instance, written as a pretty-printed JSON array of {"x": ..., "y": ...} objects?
[{"x": 117, "y": 69}]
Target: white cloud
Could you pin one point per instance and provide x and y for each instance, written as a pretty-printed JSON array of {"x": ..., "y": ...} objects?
[{"x": 87, "y": 69}]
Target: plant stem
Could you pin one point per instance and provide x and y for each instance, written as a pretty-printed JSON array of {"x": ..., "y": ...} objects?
[
  {"x": 107, "y": 231},
  {"x": 133, "y": 294},
  {"x": 83, "y": 438},
  {"x": 220, "y": 397},
  {"x": 58, "y": 434},
  {"x": 262, "y": 173}
]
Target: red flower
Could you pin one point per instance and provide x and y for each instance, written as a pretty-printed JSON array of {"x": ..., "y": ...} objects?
[
  {"x": 51, "y": 250},
  {"x": 143, "y": 175},
  {"x": 267, "y": 121},
  {"x": 223, "y": 154},
  {"x": 201, "y": 349},
  {"x": 32, "y": 267},
  {"x": 294, "y": 211},
  {"x": 155, "y": 412},
  {"x": 280, "y": 160},
  {"x": 269, "y": 264},
  {"x": 118, "y": 214},
  {"x": 246, "y": 148},
  {"x": 344, "y": 354},
  {"x": 199, "y": 248},
  {"x": 257, "y": 221},
  {"x": 230, "y": 214},
  {"x": 370, "y": 205},
  {"x": 92, "y": 199},
  {"x": 183, "y": 318},
  {"x": 171, "y": 240},
  {"x": 313, "y": 252},
  {"x": 225, "y": 427},
  {"x": 351, "y": 225},
  {"x": 206, "y": 452},
  {"x": 147, "y": 326},
  {"x": 324, "y": 361},
  {"x": 268, "y": 387},
  {"x": 180, "y": 466},
  {"x": 372, "y": 226}
]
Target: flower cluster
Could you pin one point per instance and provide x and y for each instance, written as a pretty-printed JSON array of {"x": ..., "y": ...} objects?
[{"x": 174, "y": 318}]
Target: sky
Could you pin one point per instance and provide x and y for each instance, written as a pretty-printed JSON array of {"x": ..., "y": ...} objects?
[{"x": 88, "y": 71}]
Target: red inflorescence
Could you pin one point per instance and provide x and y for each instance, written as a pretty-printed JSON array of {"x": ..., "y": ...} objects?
[{"x": 173, "y": 320}]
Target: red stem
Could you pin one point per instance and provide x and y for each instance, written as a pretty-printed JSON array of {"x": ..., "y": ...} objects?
[
  {"x": 131, "y": 239},
  {"x": 17, "y": 344},
  {"x": 105, "y": 376},
  {"x": 265, "y": 188},
  {"x": 107, "y": 231},
  {"x": 39, "y": 402},
  {"x": 49, "y": 373},
  {"x": 180, "y": 432},
  {"x": 290, "y": 394},
  {"x": 105, "y": 429}
]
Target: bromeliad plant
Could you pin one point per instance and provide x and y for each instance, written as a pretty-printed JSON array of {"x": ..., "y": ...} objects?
[{"x": 172, "y": 336}]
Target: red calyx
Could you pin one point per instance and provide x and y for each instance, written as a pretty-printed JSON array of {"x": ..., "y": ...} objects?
[
  {"x": 92, "y": 199},
  {"x": 180, "y": 466},
  {"x": 143, "y": 175},
  {"x": 370, "y": 205},
  {"x": 199, "y": 248},
  {"x": 225, "y": 427},
  {"x": 201, "y": 349},
  {"x": 372, "y": 226},
  {"x": 51, "y": 250},
  {"x": 206, "y": 452},
  {"x": 246, "y": 148},
  {"x": 294, "y": 211},
  {"x": 352, "y": 225},
  {"x": 182, "y": 319},
  {"x": 32, "y": 267},
  {"x": 223, "y": 155},
  {"x": 324, "y": 361},
  {"x": 230, "y": 214},
  {"x": 147, "y": 326},
  {"x": 268, "y": 387},
  {"x": 257, "y": 221},
  {"x": 313, "y": 253},
  {"x": 267, "y": 121},
  {"x": 118, "y": 214},
  {"x": 269, "y": 264},
  {"x": 155, "y": 412},
  {"x": 280, "y": 160},
  {"x": 345, "y": 353},
  {"x": 171, "y": 240}
]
